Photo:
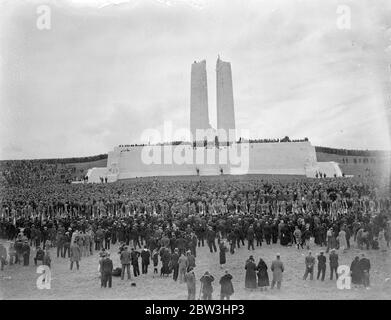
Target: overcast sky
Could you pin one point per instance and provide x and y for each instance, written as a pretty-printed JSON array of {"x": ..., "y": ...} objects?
[{"x": 104, "y": 73}]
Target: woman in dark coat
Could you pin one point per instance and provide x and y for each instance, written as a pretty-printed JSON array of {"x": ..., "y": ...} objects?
[
  {"x": 251, "y": 276},
  {"x": 356, "y": 271},
  {"x": 263, "y": 277},
  {"x": 223, "y": 250}
]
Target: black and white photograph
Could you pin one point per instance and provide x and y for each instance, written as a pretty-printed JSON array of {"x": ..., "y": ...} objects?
[{"x": 195, "y": 150}]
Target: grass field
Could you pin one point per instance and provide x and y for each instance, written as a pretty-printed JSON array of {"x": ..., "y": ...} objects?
[{"x": 19, "y": 282}]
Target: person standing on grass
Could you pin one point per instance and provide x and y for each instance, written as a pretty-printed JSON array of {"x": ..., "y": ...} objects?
[
  {"x": 211, "y": 239},
  {"x": 342, "y": 240},
  {"x": 207, "y": 289},
  {"x": 134, "y": 257},
  {"x": 155, "y": 259},
  {"x": 297, "y": 237},
  {"x": 191, "y": 260},
  {"x": 106, "y": 271},
  {"x": 145, "y": 260},
  {"x": 251, "y": 276},
  {"x": 309, "y": 266},
  {"x": 26, "y": 253},
  {"x": 333, "y": 258},
  {"x": 125, "y": 259},
  {"x": 174, "y": 264},
  {"x": 75, "y": 255},
  {"x": 47, "y": 260},
  {"x": 364, "y": 265},
  {"x": 263, "y": 276},
  {"x": 3, "y": 256},
  {"x": 321, "y": 266},
  {"x": 191, "y": 284},
  {"x": 67, "y": 245},
  {"x": 355, "y": 272},
  {"x": 183, "y": 264},
  {"x": 277, "y": 268},
  {"x": 227, "y": 289},
  {"x": 223, "y": 249}
]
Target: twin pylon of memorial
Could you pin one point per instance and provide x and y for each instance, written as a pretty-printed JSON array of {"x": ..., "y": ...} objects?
[
  {"x": 199, "y": 108},
  {"x": 198, "y": 157}
]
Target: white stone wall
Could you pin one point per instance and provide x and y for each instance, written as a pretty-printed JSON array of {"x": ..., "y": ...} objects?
[{"x": 296, "y": 158}]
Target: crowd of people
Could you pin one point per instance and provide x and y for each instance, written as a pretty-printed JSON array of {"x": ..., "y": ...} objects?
[
  {"x": 33, "y": 172},
  {"x": 164, "y": 222}
]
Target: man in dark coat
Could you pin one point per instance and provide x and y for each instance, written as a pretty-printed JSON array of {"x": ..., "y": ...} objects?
[
  {"x": 227, "y": 289},
  {"x": 106, "y": 271},
  {"x": 39, "y": 255},
  {"x": 364, "y": 265},
  {"x": 60, "y": 244},
  {"x": 309, "y": 266},
  {"x": 258, "y": 234},
  {"x": 207, "y": 289},
  {"x": 134, "y": 257},
  {"x": 125, "y": 259},
  {"x": 222, "y": 254},
  {"x": 67, "y": 245},
  {"x": 321, "y": 265},
  {"x": 211, "y": 237},
  {"x": 267, "y": 231},
  {"x": 250, "y": 238},
  {"x": 251, "y": 276},
  {"x": 26, "y": 253},
  {"x": 19, "y": 251},
  {"x": 355, "y": 270},
  {"x": 232, "y": 241},
  {"x": 193, "y": 244},
  {"x": 175, "y": 264},
  {"x": 145, "y": 260}
]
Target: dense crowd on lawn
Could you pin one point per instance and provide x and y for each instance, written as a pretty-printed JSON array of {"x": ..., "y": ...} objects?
[
  {"x": 33, "y": 173},
  {"x": 169, "y": 218}
]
